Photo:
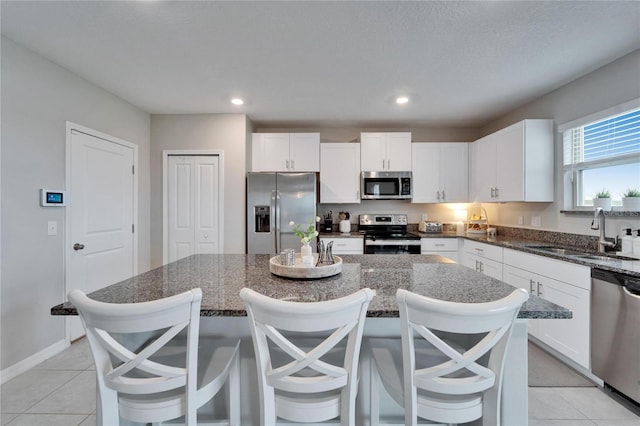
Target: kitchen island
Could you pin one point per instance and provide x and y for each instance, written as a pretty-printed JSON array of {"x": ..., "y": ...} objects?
[{"x": 222, "y": 276}]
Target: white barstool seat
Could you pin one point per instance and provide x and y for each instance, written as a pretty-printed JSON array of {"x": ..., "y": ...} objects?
[
  {"x": 307, "y": 377},
  {"x": 434, "y": 378},
  {"x": 168, "y": 375}
]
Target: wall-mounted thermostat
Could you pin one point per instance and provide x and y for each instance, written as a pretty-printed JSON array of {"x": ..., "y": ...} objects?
[{"x": 52, "y": 198}]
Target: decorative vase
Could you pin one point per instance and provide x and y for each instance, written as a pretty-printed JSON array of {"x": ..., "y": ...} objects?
[
  {"x": 306, "y": 254},
  {"x": 631, "y": 204},
  {"x": 605, "y": 203}
]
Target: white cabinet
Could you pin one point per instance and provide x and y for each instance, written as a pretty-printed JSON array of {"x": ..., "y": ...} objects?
[
  {"x": 483, "y": 258},
  {"x": 445, "y": 247},
  {"x": 564, "y": 284},
  {"x": 385, "y": 152},
  {"x": 339, "y": 172},
  {"x": 345, "y": 245},
  {"x": 285, "y": 152},
  {"x": 514, "y": 164},
  {"x": 440, "y": 172}
]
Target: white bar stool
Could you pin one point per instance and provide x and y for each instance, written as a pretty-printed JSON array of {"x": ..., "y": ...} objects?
[
  {"x": 169, "y": 375},
  {"x": 437, "y": 380},
  {"x": 308, "y": 377}
]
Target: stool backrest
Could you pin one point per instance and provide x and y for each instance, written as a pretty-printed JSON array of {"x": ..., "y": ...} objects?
[
  {"x": 124, "y": 370},
  {"x": 457, "y": 371}
]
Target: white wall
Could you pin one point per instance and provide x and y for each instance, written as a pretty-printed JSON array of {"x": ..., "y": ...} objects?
[
  {"x": 613, "y": 84},
  {"x": 37, "y": 98},
  {"x": 226, "y": 132}
]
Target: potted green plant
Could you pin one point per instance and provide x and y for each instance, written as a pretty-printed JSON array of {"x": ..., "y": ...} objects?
[
  {"x": 603, "y": 199},
  {"x": 631, "y": 200}
]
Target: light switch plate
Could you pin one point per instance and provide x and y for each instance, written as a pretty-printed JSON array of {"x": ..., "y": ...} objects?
[
  {"x": 52, "y": 227},
  {"x": 535, "y": 221},
  {"x": 520, "y": 220}
]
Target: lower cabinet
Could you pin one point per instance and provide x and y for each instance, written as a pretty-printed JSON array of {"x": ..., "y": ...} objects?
[
  {"x": 484, "y": 258},
  {"x": 345, "y": 245},
  {"x": 563, "y": 283},
  {"x": 445, "y": 247}
]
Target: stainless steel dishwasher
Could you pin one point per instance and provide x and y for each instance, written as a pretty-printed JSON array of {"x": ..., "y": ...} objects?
[{"x": 615, "y": 331}]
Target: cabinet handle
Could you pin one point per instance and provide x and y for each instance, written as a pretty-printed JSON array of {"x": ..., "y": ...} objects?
[
  {"x": 293, "y": 165},
  {"x": 540, "y": 288},
  {"x": 389, "y": 164},
  {"x": 479, "y": 250},
  {"x": 497, "y": 193},
  {"x": 531, "y": 282},
  {"x": 287, "y": 163},
  {"x": 383, "y": 165},
  {"x": 493, "y": 193},
  {"x": 439, "y": 245},
  {"x": 481, "y": 267},
  {"x": 438, "y": 196},
  {"x": 443, "y": 197}
]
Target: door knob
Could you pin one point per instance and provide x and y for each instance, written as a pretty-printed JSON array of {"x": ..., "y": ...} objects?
[{"x": 78, "y": 246}]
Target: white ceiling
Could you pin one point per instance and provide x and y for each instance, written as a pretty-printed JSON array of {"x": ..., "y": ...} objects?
[{"x": 329, "y": 63}]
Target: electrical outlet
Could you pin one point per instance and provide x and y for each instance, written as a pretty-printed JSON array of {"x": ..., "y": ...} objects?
[
  {"x": 536, "y": 221},
  {"x": 520, "y": 220},
  {"x": 52, "y": 227}
]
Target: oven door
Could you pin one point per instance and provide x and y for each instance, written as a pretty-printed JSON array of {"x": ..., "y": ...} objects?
[{"x": 399, "y": 246}]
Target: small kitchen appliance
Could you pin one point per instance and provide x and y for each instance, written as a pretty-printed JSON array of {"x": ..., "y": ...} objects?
[
  {"x": 385, "y": 185},
  {"x": 387, "y": 234}
]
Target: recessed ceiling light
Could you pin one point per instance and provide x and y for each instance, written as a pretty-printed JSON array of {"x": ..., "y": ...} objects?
[
  {"x": 237, "y": 101},
  {"x": 402, "y": 100}
]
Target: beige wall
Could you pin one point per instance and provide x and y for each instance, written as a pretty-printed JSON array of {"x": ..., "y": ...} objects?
[
  {"x": 38, "y": 97},
  {"x": 226, "y": 132}
]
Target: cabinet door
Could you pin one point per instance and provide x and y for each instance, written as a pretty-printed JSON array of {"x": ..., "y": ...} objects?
[
  {"x": 398, "y": 151},
  {"x": 426, "y": 172},
  {"x": 569, "y": 337},
  {"x": 273, "y": 152},
  {"x": 345, "y": 245},
  {"x": 304, "y": 152},
  {"x": 483, "y": 265},
  {"x": 340, "y": 173},
  {"x": 522, "y": 279},
  {"x": 454, "y": 172},
  {"x": 484, "y": 168},
  {"x": 373, "y": 152},
  {"x": 510, "y": 163}
]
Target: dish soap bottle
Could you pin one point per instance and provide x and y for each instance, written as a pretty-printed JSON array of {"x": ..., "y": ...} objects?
[
  {"x": 627, "y": 242},
  {"x": 636, "y": 245}
]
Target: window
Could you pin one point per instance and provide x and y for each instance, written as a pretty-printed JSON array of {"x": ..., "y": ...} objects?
[{"x": 603, "y": 154}]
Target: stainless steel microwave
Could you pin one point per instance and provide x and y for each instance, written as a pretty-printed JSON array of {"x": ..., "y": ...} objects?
[{"x": 385, "y": 185}]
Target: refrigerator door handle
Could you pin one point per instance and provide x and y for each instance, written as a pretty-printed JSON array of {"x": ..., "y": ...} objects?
[{"x": 275, "y": 226}]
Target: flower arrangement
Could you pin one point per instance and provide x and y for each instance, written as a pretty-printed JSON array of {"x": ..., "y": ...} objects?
[{"x": 307, "y": 234}]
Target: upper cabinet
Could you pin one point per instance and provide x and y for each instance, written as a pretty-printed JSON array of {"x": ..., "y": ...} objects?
[
  {"x": 382, "y": 152},
  {"x": 440, "y": 172},
  {"x": 340, "y": 173},
  {"x": 285, "y": 152},
  {"x": 514, "y": 164}
]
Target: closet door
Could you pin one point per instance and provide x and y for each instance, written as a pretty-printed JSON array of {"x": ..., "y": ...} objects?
[{"x": 193, "y": 204}]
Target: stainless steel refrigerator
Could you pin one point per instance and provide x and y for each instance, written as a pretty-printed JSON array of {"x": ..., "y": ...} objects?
[{"x": 274, "y": 200}]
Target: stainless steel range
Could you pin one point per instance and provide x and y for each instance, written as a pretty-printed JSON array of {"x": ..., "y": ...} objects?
[{"x": 387, "y": 234}]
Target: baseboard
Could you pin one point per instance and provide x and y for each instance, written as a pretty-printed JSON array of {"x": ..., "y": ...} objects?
[{"x": 30, "y": 362}]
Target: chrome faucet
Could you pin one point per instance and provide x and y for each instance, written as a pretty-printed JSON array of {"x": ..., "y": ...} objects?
[{"x": 598, "y": 223}]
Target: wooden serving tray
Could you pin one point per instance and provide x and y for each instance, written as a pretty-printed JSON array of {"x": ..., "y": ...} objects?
[{"x": 301, "y": 271}]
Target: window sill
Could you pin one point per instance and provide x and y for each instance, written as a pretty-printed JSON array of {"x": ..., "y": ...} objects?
[{"x": 613, "y": 213}]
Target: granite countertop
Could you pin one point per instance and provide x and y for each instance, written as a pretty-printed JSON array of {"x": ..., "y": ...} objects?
[
  {"x": 628, "y": 267},
  {"x": 222, "y": 276}
]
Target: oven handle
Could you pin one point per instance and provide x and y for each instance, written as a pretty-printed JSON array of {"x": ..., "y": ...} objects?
[{"x": 392, "y": 242}]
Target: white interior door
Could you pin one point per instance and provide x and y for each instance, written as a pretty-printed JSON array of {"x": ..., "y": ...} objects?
[
  {"x": 193, "y": 201},
  {"x": 100, "y": 215}
]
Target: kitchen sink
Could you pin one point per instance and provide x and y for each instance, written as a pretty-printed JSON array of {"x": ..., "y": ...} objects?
[
  {"x": 577, "y": 254},
  {"x": 558, "y": 250}
]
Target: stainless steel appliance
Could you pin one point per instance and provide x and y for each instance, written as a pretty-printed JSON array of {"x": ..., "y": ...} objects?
[
  {"x": 385, "y": 185},
  {"x": 615, "y": 331},
  {"x": 387, "y": 234},
  {"x": 274, "y": 200}
]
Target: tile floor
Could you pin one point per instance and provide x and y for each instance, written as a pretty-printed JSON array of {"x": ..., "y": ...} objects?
[{"x": 61, "y": 391}]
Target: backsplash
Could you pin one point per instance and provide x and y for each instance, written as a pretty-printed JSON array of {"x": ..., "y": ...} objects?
[{"x": 577, "y": 241}]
